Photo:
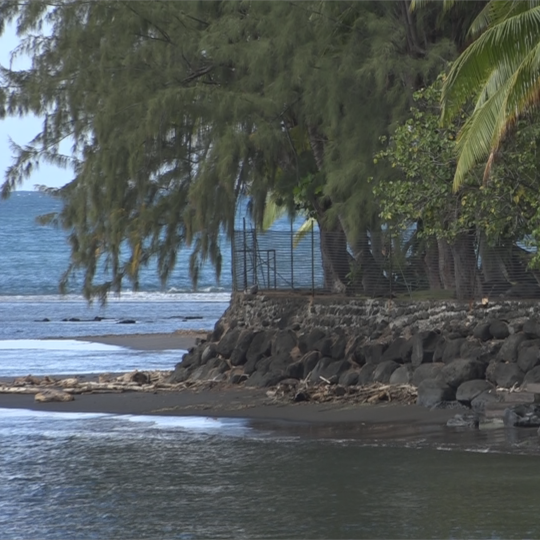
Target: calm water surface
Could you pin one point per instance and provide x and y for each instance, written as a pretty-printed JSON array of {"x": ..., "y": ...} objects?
[{"x": 103, "y": 476}]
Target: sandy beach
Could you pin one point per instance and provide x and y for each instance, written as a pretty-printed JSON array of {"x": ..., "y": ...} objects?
[
  {"x": 149, "y": 342},
  {"x": 388, "y": 423},
  {"x": 222, "y": 401}
]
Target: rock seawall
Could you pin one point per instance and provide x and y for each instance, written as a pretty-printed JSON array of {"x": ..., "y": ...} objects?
[{"x": 448, "y": 350}]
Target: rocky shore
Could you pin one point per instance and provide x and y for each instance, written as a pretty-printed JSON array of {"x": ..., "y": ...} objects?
[{"x": 447, "y": 354}]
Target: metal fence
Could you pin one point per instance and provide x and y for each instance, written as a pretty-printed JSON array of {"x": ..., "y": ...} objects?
[{"x": 403, "y": 265}]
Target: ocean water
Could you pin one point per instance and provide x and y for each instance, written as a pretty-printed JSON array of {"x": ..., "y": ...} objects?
[{"x": 85, "y": 476}]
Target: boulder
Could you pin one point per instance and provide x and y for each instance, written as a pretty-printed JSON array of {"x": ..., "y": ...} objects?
[
  {"x": 452, "y": 350},
  {"x": 310, "y": 339},
  {"x": 406, "y": 351},
  {"x": 471, "y": 349},
  {"x": 264, "y": 380},
  {"x": 403, "y": 374},
  {"x": 309, "y": 361},
  {"x": 228, "y": 342},
  {"x": 533, "y": 376},
  {"x": 353, "y": 350},
  {"x": 192, "y": 358},
  {"x": 509, "y": 349},
  {"x": 499, "y": 329},
  {"x": 531, "y": 328},
  {"x": 284, "y": 342},
  {"x": 491, "y": 370},
  {"x": 365, "y": 375},
  {"x": 219, "y": 330},
  {"x": 317, "y": 371},
  {"x": 481, "y": 400},
  {"x": 329, "y": 368},
  {"x": 137, "y": 377},
  {"x": 432, "y": 392},
  {"x": 319, "y": 340},
  {"x": 528, "y": 357},
  {"x": 349, "y": 378},
  {"x": 461, "y": 370},
  {"x": 393, "y": 352},
  {"x": 337, "y": 351},
  {"x": 469, "y": 390},
  {"x": 252, "y": 365},
  {"x": 481, "y": 331},
  {"x": 47, "y": 396},
  {"x": 438, "y": 353},
  {"x": 384, "y": 370},
  {"x": 426, "y": 371},
  {"x": 279, "y": 363},
  {"x": 295, "y": 370},
  {"x": 373, "y": 352},
  {"x": 424, "y": 344},
  {"x": 239, "y": 354},
  {"x": 260, "y": 346},
  {"x": 180, "y": 374},
  {"x": 237, "y": 377},
  {"x": 525, "y": 415},
  {"x": 508, "y": 375},
  {"x": 208, "y": 352}
]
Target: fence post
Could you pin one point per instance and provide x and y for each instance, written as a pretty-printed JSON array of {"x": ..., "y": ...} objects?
[
  {"x": 391, "y": 265},
  {"x": 233, "y": 261},
  {"x": 292, "y": 255},
  {"x": 255, "y": 254},
  {"x": 245, "y": 256},
  {"x": 312, "y": 259}
]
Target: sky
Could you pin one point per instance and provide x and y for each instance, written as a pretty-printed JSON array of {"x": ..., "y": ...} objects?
[{"x": 23, "y": 130}]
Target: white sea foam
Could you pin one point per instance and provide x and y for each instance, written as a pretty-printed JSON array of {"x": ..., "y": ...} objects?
[
  {"x": 210, "y": 295},
  {"x": 191, "y": 423},
  {"x": 195, "y": 423},
  {"x": 56, "y": 345},
  {"x": 28, "y": 413}
]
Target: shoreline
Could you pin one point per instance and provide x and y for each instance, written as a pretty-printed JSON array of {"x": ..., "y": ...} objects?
[
  {"x": 391, "y": 423},
  {"x": 409, "y": 426},
  {"x": 179, "y": 340}
]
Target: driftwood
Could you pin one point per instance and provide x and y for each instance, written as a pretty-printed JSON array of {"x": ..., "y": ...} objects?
[
  {"x": 327, "y": 393},
  {"x": 136, "y": 381}
]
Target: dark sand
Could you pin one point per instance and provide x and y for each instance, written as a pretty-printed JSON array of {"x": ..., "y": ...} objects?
[
  {"x": 389, "y": 421},
  {"x": 149, "y": 342}
]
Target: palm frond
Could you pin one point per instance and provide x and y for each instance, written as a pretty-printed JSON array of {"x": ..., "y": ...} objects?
[
  {"x": 507, "y": 43},
  {"x": 303, "y": 230},
  {"x": 477, "y": 137}
]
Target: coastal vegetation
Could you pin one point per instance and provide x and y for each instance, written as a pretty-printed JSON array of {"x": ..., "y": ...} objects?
[{"x": 176, "y": 111}]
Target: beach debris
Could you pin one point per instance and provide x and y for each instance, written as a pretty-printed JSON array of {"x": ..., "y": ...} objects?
[
  {"x": 69, "y": 383},
  {"x": 28, "y": 380},
  {"x": 328, "y": 393},
  {"x": 47, "y": 396}
]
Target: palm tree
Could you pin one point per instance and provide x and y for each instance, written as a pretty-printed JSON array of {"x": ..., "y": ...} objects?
[{"x": 501, "y": 71}]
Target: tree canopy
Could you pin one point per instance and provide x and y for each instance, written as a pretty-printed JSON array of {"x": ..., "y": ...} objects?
[{"x": 179, "y": 110}]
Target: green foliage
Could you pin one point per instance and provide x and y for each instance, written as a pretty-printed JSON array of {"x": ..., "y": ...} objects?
[
  {"x": 424, "y": 153},
  {"x": 179, "y": 109},
  {"x": 500, "y": 71}
]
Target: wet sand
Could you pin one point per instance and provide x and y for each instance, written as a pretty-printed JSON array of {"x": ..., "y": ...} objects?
[
  {"x": 388, "y": 421},
  {"x": 149, "y": 342}
]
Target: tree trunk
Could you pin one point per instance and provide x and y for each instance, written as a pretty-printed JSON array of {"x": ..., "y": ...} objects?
[
  {"x": 374, "y": 282},
  {"x": 467, "y": 284},
  {"x": 446, "y": 264},
  {"x": 335, "y": 258}
]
